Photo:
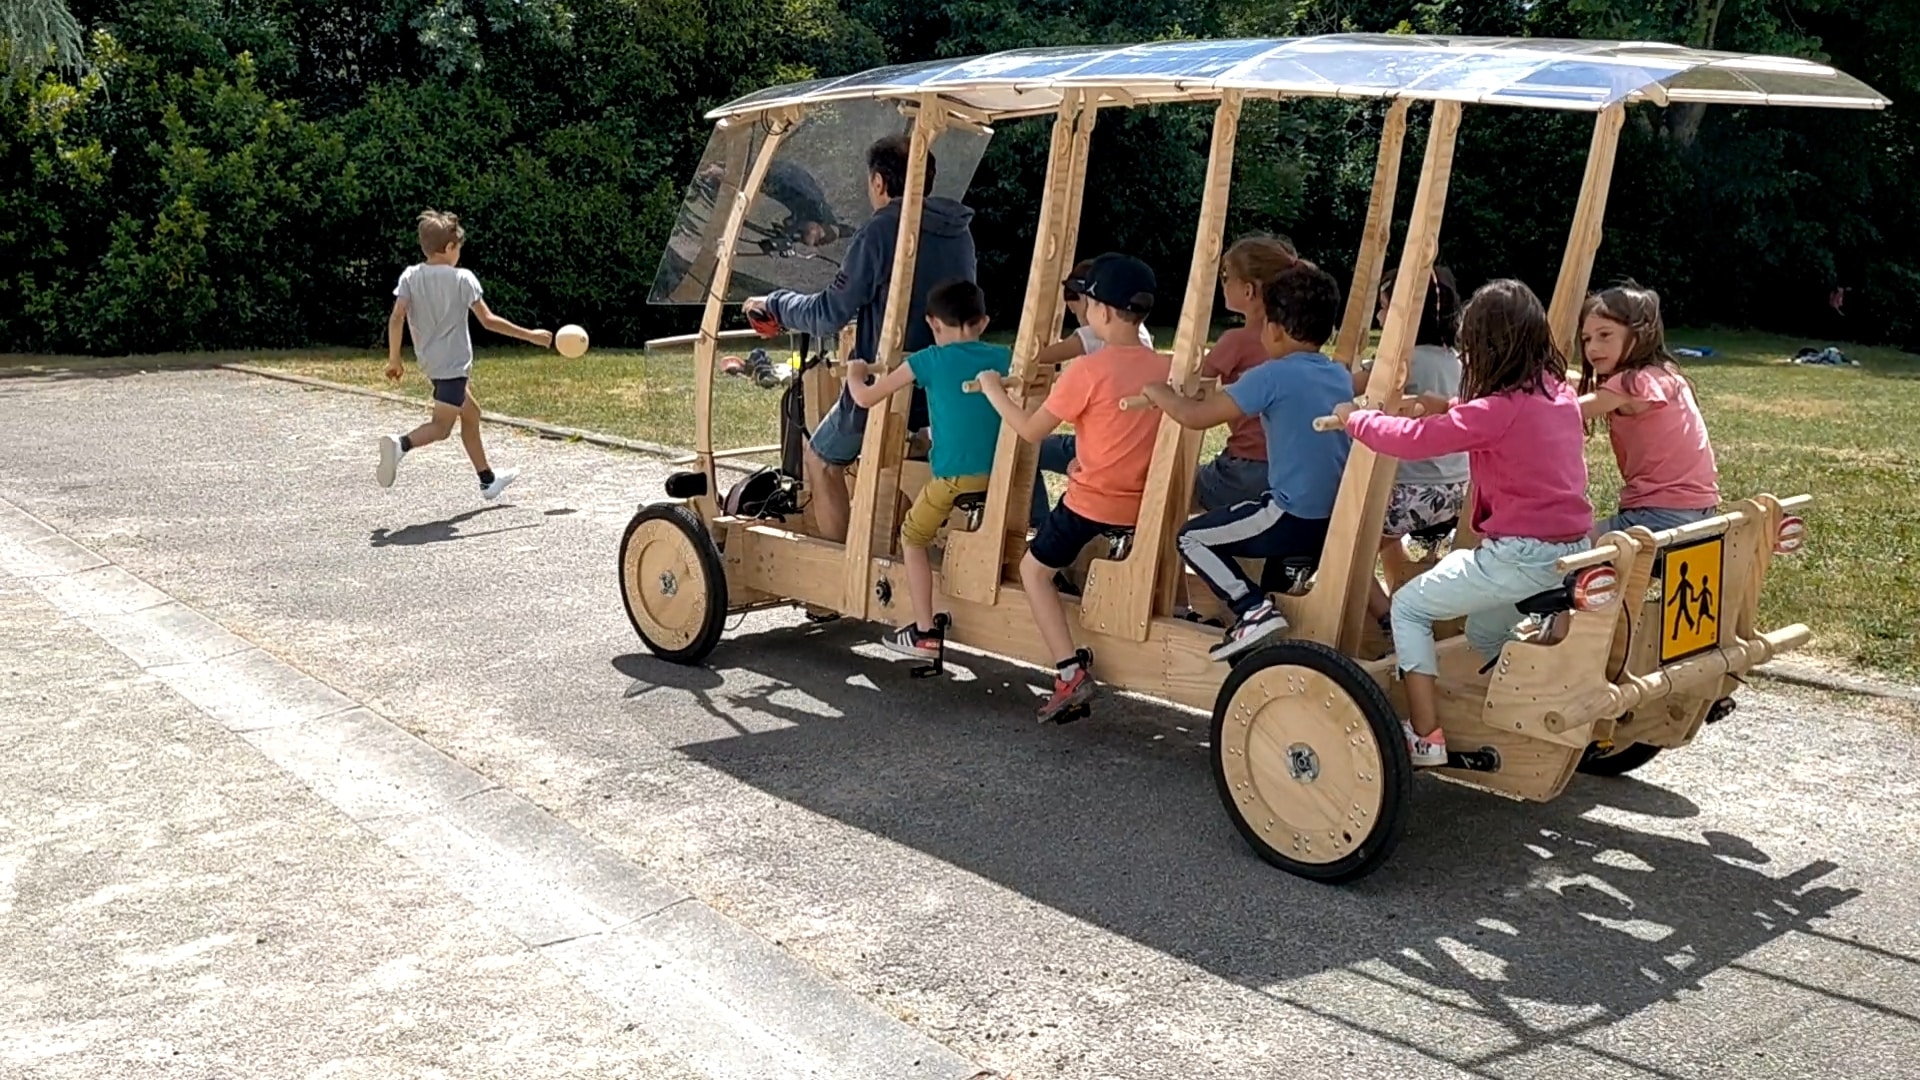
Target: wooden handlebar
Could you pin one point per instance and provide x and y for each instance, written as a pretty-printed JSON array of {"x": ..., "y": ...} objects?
[
  {"x": 1328, "y": 423},
  {"x": 971, "y": 386},
  {"x": 1135, "y": 403}
]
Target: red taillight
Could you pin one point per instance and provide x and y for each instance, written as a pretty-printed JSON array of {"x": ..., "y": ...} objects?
[
  {"x": 1792, "y": 536},
  {"x": 1595, "y": 588}
]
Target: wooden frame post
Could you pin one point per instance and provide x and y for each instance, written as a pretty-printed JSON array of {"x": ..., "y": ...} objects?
[
  {"x": 1576, "y": 264},
  {"x": 975, "y": 562},
  {"x": 1335, "y": 610},
  {"x": 1374, "y": 238},
  {"x": 877, "y": 486},
  {"x": 706, "y": 348},
  {"x": 1122, "y": 597}
]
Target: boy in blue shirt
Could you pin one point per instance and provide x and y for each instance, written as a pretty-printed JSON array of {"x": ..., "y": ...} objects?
[
  {"x": 965, "y": 428},
  {"x": 1304, "y": 466}
]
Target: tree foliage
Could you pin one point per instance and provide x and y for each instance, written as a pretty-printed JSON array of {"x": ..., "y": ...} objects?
[{"x": 197, "y": 174}]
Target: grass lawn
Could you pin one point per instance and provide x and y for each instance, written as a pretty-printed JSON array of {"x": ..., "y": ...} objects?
[{"x": 1845, "y": 435}]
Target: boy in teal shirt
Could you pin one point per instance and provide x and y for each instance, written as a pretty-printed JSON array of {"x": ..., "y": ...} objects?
[{"x": 965, "y": 429}]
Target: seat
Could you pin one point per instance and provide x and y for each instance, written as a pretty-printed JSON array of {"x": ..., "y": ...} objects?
[
  {"x": 1289, "y": 573},
  {"x": 1551, "y": 602},
  {"x": 973, "y": 504}
]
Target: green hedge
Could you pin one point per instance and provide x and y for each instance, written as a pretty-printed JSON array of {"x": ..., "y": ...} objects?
[{"x": 245, "y": 174}]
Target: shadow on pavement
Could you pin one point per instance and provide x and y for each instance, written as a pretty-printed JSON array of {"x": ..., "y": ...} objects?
[
  {"x": 1550, "y": 921},
  {"x": 435, "y": 532}
]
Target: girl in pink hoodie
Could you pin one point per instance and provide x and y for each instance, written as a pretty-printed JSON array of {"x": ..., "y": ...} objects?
[{"x": 1519, "y": 424}]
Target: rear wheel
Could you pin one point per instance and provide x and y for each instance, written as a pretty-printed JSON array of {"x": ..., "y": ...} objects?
[
  {"x": 672, "y": 582},
  {"x": 1616, "y": 760},
  {"x": 1310, "y": 762}
]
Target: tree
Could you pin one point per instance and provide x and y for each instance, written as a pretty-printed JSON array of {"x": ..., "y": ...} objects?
[{"x": 34, "y": 33}]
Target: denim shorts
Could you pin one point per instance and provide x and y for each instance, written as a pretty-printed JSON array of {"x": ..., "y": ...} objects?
[
  {"x": 1229, "y": 481},
  {"x": 838, "y": 438},
  {"x": 450, "y": 392},
  {"x": 1659, "y": 520}
]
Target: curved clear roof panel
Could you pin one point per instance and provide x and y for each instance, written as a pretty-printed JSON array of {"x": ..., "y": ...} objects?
[{"x": 1543, "y": 73}]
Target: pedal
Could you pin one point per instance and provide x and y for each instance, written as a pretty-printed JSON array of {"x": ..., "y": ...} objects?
[
  {"x": 1485, "y": 759},
  {"x": 939, "y": 665}
]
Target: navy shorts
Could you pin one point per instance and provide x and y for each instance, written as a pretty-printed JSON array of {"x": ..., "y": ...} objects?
[
  {"x": 1057, "y": 543},
  {"x": 450, "y": 392}
]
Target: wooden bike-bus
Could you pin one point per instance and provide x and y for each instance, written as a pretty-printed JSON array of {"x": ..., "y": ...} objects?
[{"x": 1308, "y": 752}]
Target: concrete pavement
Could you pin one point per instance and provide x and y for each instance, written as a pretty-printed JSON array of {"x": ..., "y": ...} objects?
[{"x": 1043, "y": 902}]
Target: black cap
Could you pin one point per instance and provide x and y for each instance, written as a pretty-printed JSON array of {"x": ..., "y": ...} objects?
[{"x": 1120, "y": 281}]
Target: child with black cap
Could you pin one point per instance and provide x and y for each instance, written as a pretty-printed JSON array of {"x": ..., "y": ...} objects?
[{"x": 1113, "y": 450}]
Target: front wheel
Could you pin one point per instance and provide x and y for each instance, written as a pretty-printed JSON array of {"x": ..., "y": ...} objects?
[
  {"x": 672, "y": 582},
  {"x": 1615, "y": 761},
  {"x": 1310, "y": 762}
]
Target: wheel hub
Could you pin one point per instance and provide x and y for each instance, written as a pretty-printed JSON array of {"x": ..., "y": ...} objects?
[
  {"x": 668, "y": 584},
  {"x": 1302, "y": 763}
]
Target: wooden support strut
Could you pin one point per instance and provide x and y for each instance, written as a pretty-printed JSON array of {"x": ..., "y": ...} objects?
[
  {"x": 1373, "y": 241},
  {"x": 1583, "y": 241},
  {"x": 1122, "y": 597},
  {"x": 975, "y": 561},
  {"x": 877, "y": 485},
  {"x": 706, "y": 348},
  {"x": 1335, "y": 609}
]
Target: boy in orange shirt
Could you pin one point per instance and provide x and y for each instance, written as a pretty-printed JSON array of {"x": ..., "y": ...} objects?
[{"x": 1112, "y": 452}]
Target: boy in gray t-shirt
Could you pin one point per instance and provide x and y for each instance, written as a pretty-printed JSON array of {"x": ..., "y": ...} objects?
[{"x": 432, "y": 300}]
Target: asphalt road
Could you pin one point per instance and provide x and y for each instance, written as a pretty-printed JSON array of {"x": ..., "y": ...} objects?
[{"x": 1042, "y": 902}]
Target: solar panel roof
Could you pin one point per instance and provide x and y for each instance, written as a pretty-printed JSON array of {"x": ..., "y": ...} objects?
[{"x": 1546, "y": 73}]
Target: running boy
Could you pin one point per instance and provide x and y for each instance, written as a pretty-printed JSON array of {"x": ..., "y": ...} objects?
[
  {"x": 1287, "y": 393},
  {"x": 432, "y": 300},
  {"x": 1113, "y": 450},
  {"x": 965, "y": 428}
]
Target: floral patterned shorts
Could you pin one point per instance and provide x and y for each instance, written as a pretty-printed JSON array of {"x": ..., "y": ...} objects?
[{"x": 1416, "y": 506}]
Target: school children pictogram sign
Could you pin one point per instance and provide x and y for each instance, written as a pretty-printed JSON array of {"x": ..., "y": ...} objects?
[{"x": 1691, "y": 598}]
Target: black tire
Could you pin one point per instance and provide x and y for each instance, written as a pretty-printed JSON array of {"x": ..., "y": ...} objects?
[
  {"x": 669, "y": 544},
  {"x": 1617, "y": 762},
  {"x": 1357, "y": 846}
]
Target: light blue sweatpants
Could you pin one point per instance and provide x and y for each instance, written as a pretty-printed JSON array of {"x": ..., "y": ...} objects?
[{"x": 1482, "y": 583}]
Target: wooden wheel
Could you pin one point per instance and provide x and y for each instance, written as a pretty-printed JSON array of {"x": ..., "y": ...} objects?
[
  {"x": 672, "y": 583},
  {"x": 1310, "y": 762}
]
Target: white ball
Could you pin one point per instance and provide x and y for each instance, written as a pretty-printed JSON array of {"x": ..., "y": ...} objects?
[{"x": 571, "y": 341}]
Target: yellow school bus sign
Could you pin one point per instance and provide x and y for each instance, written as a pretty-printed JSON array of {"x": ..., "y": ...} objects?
[{"x": 1691, "y": 599}]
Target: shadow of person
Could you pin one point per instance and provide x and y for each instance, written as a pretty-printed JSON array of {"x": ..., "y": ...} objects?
[
  {"x": 1491, "y": 908},
  {"x": 438, "y": 532}
]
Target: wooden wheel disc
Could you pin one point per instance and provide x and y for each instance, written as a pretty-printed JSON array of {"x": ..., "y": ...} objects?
[
  {"x": 1302, "y": 764},
  {"x": 665, "y": 584}
]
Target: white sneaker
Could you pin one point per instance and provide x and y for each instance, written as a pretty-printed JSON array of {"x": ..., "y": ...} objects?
[
  {"x": 1428, "y": 750},
  {"x": 390, "y": 455},
  {"x": 1253, "y": 628},
  {"x": 501, "y": 479}
]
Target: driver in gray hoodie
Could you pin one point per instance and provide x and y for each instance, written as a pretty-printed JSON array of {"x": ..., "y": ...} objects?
[{"x": 859, "y": 294}]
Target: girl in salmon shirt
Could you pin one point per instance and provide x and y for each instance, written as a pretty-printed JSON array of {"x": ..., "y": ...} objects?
[
  {"x": 1519, "y": 424},
  {"x": 1630, "y": 380}
]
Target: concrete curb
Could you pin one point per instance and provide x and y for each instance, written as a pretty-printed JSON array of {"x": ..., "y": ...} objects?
[
  {"x": 724, "y": 999},
  {"x": 551, "y": 430},
  {"x": 1796, "y": 675},
  {"x": 1789, "y": 673}
]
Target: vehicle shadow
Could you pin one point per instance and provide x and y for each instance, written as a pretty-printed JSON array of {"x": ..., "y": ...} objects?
[{"x": 1548, "y": 920}]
